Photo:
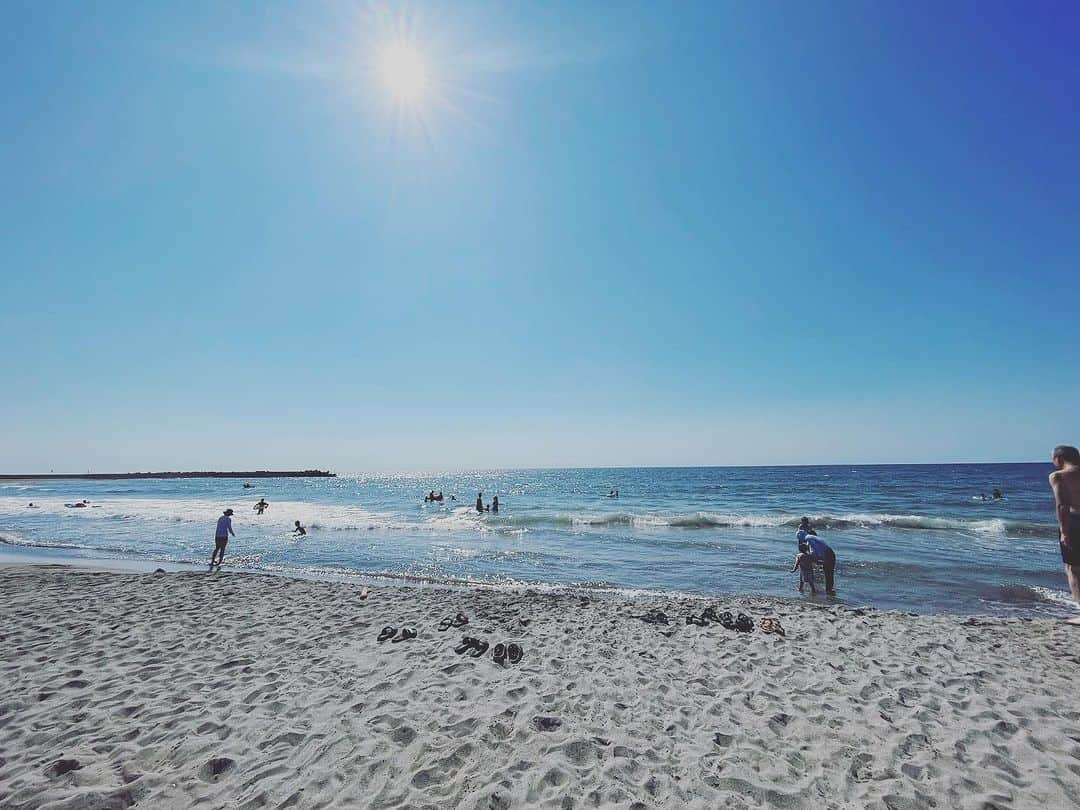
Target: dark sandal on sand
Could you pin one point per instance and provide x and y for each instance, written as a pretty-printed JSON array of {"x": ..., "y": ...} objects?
[
  {"x": 481, "y": 648},
  {"x": 655, "y": 617},
  {"x": 499, "y": 655},
  {"x": 460, "y": 620},
  {"x": 467, "y": 642},
  {"x": 446, "y": 623},
  {"x": 698, "y": 620},
  {"x": 514, "y": 653},
  {"x": 406, "y": 634},
  {"x": 710, "y": 614},
  {"x": 744, "y": 624},
  {"x": 777, "y": 627},
  {"x": 727, "y": 620},
  {"x": 387, "y": 632}
]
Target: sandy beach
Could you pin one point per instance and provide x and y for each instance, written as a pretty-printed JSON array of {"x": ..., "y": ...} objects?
[{"x": 240, "y": 691}]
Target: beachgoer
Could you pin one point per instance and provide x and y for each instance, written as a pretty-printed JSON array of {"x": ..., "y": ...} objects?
[
  {"x": 823, "y": 556},
  {"x": 221, "y": 537},
  {"x": 439, "y": 497},
  {"x": 997, "y": 495},
  {"x": 31, "y": 505},
  {"x": 299, "y": 531},
  {"x": 260, "y": 507},
  {"x": 495, "y": 504},
  {"x": 480, "y": 502},
  {"x": 804, "y": 563},
  {"x": 1065, "y": 483}
]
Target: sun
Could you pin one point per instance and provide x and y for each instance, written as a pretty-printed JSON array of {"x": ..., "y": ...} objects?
[{"x": 404, "y": 72}]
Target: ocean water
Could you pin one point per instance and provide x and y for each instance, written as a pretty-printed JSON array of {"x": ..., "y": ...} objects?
[{"x": 915, "y": 538}]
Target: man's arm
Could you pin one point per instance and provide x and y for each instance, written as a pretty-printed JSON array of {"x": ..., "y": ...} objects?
[
  {"x": 230, "y": 529},
  {"x": 1061, "y": 498}
]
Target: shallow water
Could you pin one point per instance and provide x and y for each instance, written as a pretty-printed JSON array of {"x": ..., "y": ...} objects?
[{"x": 909, "y": 537}]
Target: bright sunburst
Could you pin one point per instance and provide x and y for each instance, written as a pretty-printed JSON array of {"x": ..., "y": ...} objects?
[{"x": 404, "y": 72}]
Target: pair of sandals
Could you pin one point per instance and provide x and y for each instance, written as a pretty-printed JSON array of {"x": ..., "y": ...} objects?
[
  {"x": 507, "y": 652},
  {"x": 654, "y": 617},
  {"x": 725, "y": 619},
  {"x": 772, "y": 626},
  {"x": 456, "y": 621},
  {"x": 389, "y": 632},
  {"x": 502, "y": 652}
]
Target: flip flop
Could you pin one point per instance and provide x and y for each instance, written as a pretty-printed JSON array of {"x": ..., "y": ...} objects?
[
  {"x": 461, "y": 620},
  {"x": 466, "y": 643},
  {"x": 655, "y": 617},
  {"x": 698, "y": 620},
  {"x": 514, "y": 653},
  {"x": 406, "y": 634},
  {"x": 727, "y": 621},
  {"x": 744, "y": 624},
  {"x": 446, "y": 623},
  {"x": 481, "y": 648},
  {"x": 387, "y": 632},
  {"x": 778, "y": 628},
  {"x": 710, "y": 614},
  {"x": 499, "y": 655}
]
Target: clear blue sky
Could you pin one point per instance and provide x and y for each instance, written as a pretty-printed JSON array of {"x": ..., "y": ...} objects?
[{"x": 714, "y": 233}]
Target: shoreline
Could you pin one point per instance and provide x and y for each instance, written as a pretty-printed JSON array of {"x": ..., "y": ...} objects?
[{"x": 167, "y": 690}]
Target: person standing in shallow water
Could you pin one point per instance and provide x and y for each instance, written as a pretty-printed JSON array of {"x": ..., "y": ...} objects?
[
  {"x": 1065, "y": 483},
  {"x": 480, "y": 502},
  {"x": 822, "y": 553},
  {"x": 221, "y": 537}
]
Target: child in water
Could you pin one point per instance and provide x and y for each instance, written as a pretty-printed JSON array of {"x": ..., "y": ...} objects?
[{"x": 804, "y": 562}]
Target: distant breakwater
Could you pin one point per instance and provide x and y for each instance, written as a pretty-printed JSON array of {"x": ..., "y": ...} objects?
[{"x": 198, "y": 474}]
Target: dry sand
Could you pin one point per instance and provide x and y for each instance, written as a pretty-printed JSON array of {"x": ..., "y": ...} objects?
[{"x": 240, "y": 691}]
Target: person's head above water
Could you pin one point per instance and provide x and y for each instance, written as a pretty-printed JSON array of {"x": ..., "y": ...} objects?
[
  {"x": 297, "y": 522},
  {"x": 1065, "y": 454}
]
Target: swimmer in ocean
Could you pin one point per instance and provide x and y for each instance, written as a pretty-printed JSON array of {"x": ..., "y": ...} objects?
[{"x": 299, "y": 531}]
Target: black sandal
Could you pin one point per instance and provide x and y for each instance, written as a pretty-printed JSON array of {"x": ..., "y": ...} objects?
[
  {"x": 406, "y": 634},
  {"x": 655, "y": 617},
  {"x": 460, "y": 620},
  {"x": 467, "y": 642},
  {"x": 446, "y": 623},
  {"x": 387, "y": 632},
  {"x": 481, "y": 648},
  {"x": 499, "y": 655},
  {"x": 744, "y": 624},
  {"x": 710, "y": 614},
  {"x": 698, "y": 620},
  {"x": 514, "y": 653},
  {"x": 727, "y": 621}
]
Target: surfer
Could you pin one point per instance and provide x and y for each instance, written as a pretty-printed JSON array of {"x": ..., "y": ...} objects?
[
  {"x": 299, "y": 531},
  {"x": 260, "y": 507},
  {"x": 495, "y": 505},
  {"x": 1065, "y": 483},
  {"x": 480, "y": 502},
  {"x": 221, "y": 537}
]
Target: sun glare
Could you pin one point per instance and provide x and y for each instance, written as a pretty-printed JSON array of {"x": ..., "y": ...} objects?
[{"x": 404, "y": 72}]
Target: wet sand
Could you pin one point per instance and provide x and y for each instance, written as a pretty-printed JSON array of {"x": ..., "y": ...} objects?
[{"x": 242, "y": 691}]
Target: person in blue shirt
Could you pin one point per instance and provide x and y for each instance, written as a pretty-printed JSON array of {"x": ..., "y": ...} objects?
[
  {"x": 821, "y": 551},
  {"x": 221, "y": 537}
]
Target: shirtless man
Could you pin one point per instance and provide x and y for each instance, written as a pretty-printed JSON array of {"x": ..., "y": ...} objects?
[{"x": 1065, "y": 482}]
